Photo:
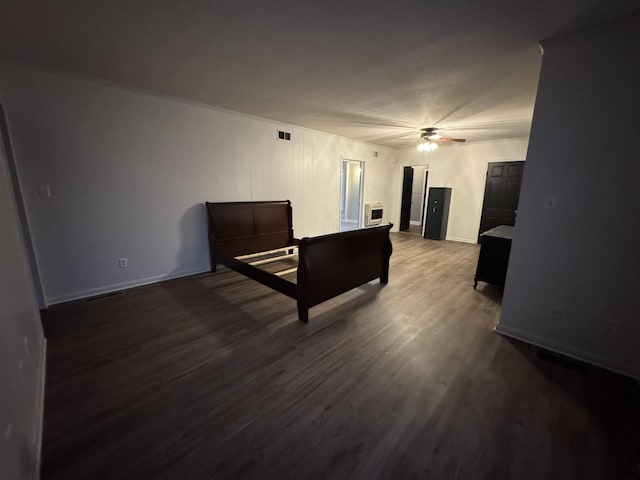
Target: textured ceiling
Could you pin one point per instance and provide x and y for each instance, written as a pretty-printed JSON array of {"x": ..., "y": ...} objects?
[{"x": 371, "y": 70}]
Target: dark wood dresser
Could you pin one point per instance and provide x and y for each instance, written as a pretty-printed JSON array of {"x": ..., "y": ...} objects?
[{"x": 495, "y": 246}]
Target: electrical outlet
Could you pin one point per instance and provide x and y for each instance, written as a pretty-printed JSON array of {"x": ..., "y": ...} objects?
[{"x": 123, "y": 262}]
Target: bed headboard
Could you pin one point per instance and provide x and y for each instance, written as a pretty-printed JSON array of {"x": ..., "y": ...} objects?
[{"x": 240, "y": 228}]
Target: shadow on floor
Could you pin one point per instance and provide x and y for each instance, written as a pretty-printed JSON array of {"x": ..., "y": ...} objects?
[{"x": 609, "y": 401}]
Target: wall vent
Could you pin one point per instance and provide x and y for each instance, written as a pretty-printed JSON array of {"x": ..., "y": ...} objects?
[{"x": 284, "y": 135}]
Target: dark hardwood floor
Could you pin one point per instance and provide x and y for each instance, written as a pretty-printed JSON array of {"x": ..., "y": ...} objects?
[
  {"x": 212, "y": 376},
  {"x": 415, "y": 229}
]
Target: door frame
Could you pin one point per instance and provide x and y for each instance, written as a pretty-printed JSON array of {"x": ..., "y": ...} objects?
[
  {"x": 405, "y": 198},
  {"x": 423, "y": 206},
  {"x": 397, "y": 196},
  {"x": 423, "y": 201},
  {"x": 344, "y": 159}
]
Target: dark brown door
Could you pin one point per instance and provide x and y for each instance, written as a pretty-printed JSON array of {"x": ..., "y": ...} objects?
[
  {"x": 501, "y": 194},
  {"x": 405, "y": 208}
]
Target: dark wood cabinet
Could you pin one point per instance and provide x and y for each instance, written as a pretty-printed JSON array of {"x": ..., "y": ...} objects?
[{"x": 495, "y": 247}]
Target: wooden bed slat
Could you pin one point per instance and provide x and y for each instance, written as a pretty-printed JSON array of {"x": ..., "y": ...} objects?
[
  {"x": 287, "y": 271},
  {"x": 267, "y": 252},
  {"x": 272, "y": 259}
]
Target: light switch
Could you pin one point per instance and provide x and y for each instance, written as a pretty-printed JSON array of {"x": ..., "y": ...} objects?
[{"x": 44, "y": 191}]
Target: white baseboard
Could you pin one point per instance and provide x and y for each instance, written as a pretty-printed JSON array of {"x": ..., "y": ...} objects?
[
  {"x": 413, "y": 222},
  {"x": 568, "y": 351},
  {"x": 464, "y": 240},
  {"x": 91, "y": 292},
  {"x": 39, "y": 413}
]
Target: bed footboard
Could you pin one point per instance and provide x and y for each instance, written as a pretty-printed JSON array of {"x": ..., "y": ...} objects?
[{"x": 333, "y": 264}]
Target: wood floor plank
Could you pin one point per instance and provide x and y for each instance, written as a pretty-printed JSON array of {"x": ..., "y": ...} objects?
[{"x": 212, "y": 376}]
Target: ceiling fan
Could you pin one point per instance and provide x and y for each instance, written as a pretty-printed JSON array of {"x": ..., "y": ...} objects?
[{"x": 430, "y": 139}]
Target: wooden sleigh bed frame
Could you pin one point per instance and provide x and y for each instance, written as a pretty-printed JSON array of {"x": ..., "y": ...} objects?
[{"x": 247, "y": 235}]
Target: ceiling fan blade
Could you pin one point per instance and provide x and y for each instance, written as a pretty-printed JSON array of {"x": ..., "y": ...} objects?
[{"x": 449, "y": 140}]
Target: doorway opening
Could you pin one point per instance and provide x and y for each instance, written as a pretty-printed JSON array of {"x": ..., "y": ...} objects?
[
  {"x": 351, "y": 178},
  {"x": 414, "y": 189}
]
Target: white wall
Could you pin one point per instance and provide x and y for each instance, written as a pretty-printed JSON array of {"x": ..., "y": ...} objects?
[
  {"x": 572, "y": 284},
  {"x": 21, "y": 349},
  {"x": 129, "y": 172},
  {"x": 463, "y": 168}
]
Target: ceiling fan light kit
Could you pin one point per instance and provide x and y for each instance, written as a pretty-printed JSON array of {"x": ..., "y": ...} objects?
[
  {"x": 427, "y": 146},
  {"x": 429, "y": 139}
]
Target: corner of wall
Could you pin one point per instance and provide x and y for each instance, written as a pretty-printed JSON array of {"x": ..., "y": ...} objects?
[{"x": 36, "y": 457}]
